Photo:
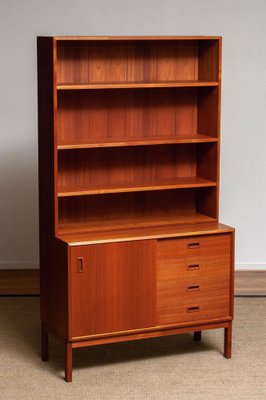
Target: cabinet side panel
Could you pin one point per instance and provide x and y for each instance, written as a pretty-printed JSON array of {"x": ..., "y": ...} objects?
[
  {"x": 46, "y": 134},
  {"x": 232, "y": 275},
  {"x": 54, "y": 284}
]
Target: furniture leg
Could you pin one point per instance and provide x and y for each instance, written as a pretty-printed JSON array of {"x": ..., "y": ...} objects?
[
  {"x": 197, "y": 336},
  {"x": 44, "y": 339},
  {"x": 68, "y": 362},
  {"x": 228, "y": 341}
]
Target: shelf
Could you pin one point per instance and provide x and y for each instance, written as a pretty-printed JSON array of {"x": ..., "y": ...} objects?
[
  {"x": 135, "y": 38},
  {"x": 135, "y": 85},
  {"x": 202, "y": 225},
  {"x": 135, "y": 141},
  {"x": 137, "y": 222},
  {"x": 122, "y": 187}
]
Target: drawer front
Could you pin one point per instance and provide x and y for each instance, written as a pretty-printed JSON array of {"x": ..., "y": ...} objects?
[
  {"x": 193, "y": 278},
  {"x": 199, "y": 248}
]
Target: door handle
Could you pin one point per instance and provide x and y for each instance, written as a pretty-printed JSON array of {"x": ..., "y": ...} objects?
[{"x": 80, "y": 266}]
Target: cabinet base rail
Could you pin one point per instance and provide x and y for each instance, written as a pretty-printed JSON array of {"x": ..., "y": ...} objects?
[{"x": 144, "y": 334}]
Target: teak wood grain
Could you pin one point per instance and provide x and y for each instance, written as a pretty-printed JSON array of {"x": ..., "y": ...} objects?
[
  {"x": 134, "y": 141},
  {"x": 113, "y": 287},
  {"x": 117, "y": 187},
  {"x": 140, "y": 113},
  {"x": 101, "y": 171},
  {"x": 171, "y": 230},
  {"x": 138, "y": 38},
  {"x": 136, "y": 85},
  {"x": 188, "y": 288},
  {"x": 131, "y": 210},
  {"x": 129, "y": 158},
  {"x": 54, "y": 283}
]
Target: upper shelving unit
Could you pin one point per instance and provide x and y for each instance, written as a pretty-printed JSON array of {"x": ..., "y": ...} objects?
[{"x": 136, "y": 134}]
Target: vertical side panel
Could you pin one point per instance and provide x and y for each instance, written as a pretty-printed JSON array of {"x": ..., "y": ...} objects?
[
  {"x": 46, "y": 134},
  {"x": 54, "y": 284},
  {"x": 232, "y": 277},
  {"x": 209, "y": 110},
  {"x": 219, "y": 122}
]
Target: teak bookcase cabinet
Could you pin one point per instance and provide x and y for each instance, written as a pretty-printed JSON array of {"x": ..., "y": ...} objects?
[{"x": 129, "y": 148}]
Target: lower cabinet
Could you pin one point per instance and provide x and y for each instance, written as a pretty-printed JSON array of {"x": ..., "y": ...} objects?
[
  {"x": 114, "y": 292},
  {"x": 135, "y": 285}
]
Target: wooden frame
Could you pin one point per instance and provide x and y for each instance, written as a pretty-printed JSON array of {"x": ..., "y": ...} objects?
[{"x": 129, "y": 155}]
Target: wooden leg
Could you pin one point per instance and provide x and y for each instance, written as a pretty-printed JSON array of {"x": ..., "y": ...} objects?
[
  {"x": 197, "y": 336},
  {"x": 68, "y": 362},
  {"x": 228, "y": 341},
  {"x": 45, "y": 353}
]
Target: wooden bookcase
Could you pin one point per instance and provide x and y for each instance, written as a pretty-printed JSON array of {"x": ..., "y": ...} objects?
[{"x": 129, "y": 150}]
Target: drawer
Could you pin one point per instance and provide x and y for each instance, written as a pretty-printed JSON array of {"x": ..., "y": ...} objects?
[
  {"x": 193, "y": 308},
  {"x": 193, "y": 281},
  {"x": 207, "y": 248}
]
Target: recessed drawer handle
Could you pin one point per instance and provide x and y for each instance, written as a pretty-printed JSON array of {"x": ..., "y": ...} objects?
[
  {"x": 194, "y": 245},
  {"x": 193, "y": 287},
  {"x": 193, "y": 309},
  {"x": 192, "y": 267},
  {"x": 80, "y": 267}
]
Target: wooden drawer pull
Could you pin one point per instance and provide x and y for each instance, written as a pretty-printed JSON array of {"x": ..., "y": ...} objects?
[
  {"x": 80, "y": 264},
  {"x": 194, "y": 245},
  {"x": 193, "y": 267},
  {"x": 193, "y": 287},
  {"x": 193, "y": 309}
]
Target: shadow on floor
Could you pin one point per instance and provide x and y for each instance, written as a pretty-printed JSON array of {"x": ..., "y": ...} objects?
[{"x": 20, "y": 323}]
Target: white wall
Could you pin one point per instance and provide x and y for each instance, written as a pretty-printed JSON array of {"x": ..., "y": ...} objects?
[{"x": 243, "y": 160}]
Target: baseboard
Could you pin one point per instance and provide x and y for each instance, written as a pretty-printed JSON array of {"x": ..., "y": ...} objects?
[
  {"x": 250, "y": 282},
  {"x": 17, "y": 265},
  {"x": 19, "y": 282},
  {"x": 250, "y": 267},
  {"x": 26, "y": 282}
]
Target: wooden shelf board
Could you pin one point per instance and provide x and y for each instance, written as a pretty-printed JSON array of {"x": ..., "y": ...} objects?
[
  {"x": 149, "y": 38},
  {"x": 198, "y": 225},
  {"x": 134, "y": 141},
  {"x": 136, "y": 85},
  {"x": 123, "y": 187},
  {"x": 140, "y": 222}
]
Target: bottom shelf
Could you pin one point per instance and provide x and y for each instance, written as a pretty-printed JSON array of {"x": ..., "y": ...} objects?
[{"x": 115, "y": 230}]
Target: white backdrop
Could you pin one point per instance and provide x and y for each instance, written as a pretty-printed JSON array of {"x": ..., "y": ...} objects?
[{"x": 243, "y": 154}]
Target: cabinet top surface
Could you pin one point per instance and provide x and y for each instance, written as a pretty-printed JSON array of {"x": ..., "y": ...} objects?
[
  {"x": 135, "y": 37},
  {"x": 85, "y": 238}
]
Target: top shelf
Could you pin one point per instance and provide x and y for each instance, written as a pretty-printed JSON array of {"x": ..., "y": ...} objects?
[
  {"x": 136, "y": 85},
  {"x": 130, "y": 38}
]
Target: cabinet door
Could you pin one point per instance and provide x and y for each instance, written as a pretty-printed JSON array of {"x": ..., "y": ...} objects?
[
  {"x": 193, "y": 279},
  {"x": 113, "y": 287}
]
